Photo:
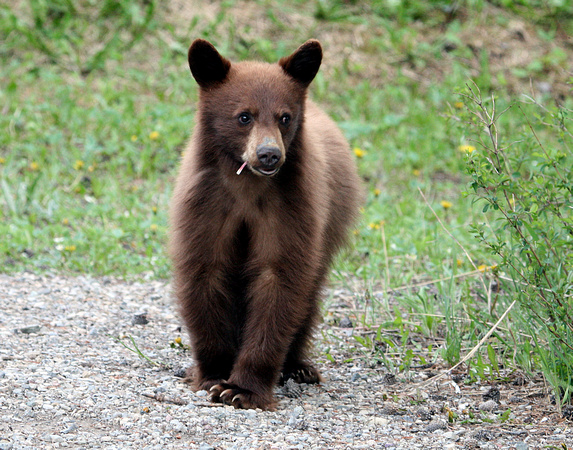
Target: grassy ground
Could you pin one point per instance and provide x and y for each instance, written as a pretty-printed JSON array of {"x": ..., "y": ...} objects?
[{"x": 97, "y": 104}]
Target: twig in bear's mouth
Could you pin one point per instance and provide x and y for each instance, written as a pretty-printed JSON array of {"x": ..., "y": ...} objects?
[{"x": 241, "y": 168}]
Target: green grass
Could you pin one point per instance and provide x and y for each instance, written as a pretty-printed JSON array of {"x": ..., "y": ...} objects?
[{"x": 97, "y": 104}]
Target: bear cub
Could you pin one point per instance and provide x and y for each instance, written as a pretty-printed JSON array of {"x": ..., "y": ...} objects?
[{"x": 265, "y": 195}]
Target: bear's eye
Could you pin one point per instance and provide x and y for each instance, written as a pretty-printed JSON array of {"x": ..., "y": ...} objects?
[
  {"x": 285, "y": 119},
  {"x": 245, "y": 118}
]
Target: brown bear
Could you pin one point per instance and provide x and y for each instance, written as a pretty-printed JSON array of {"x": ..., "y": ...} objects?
[{"x": 265, "y": 195}]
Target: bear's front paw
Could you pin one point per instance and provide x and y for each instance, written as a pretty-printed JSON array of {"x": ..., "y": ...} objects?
[
  {"x": 207, "y": 385},
  {"x": 231, "y": 394},
  {"x": 300, "y": 373}
]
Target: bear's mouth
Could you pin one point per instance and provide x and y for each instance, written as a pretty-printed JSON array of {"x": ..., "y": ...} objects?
[
  {"x": 266, "y": 172},
  {"x": 258, "y": 170}
]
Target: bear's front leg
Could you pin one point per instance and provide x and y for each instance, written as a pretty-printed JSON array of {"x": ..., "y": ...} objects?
[
  {"x": 278, "y": 304},
  {"x": 209, "y": 305},
  {"x": 207, "y": 308}
]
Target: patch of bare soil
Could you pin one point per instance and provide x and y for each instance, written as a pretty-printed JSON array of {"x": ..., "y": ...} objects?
[{"x": 509, "y": 50}]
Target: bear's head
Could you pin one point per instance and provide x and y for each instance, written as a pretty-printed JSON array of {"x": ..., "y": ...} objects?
[{"x": 252, "y": 112}]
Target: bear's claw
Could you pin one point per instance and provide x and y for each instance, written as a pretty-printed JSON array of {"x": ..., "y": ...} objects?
[
  {"x": 303, "y": 373},
  {"x": 233, "y": 395}
]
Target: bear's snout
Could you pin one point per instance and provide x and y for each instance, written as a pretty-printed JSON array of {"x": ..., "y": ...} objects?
[{"x": 269, "y": 157}]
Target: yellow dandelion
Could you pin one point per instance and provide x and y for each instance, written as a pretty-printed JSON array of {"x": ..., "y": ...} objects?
[
  {"x": 70, "y": 248},
  {"x": 493, "y": 267},
  {"x": 134, "y": 138},
  {"x": 377, "y": 192},
  {"x": 177, "y": 340},
  {"x": 459, "y": 262},
  {"x": 65, "y": 221},
  {"x": 446, "y": 204},
  {"x": 2, "y": 160},
  {"x": 34, "y": 166},
  {"x": 466, "y": 148},
  {"x": 153, "y": 227},
  {"x": 92, "y": 167},
  {"x": 374, "y": 226},
  {"x": 459, "y": 105},
  {"x": 154, "y": 209},
  {"x": 145, "y": 410},
  {"x": 482, "y": 267},
  {"x": 154, "y": 135},
  {"x": 359, "y": 152},
  {"x": 79, "y": 164},
  {"x": 416, "y": 172}
]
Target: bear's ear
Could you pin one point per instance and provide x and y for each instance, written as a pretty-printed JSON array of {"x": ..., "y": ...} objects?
[
  {"x": 207, "y": 65},
  {"x": 304, "y": 63}
]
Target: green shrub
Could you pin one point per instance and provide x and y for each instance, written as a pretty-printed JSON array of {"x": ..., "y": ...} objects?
[{"x": 525, "y": 192}]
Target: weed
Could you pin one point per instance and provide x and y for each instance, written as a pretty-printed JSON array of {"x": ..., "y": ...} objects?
[
  {"x": 135, "y": 349},
  {"x": 527, "y": 189}
]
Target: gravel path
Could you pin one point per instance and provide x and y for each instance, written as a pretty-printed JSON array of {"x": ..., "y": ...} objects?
[{"x": 66, "y": 381}]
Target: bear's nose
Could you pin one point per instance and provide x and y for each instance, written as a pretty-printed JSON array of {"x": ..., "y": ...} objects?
[{"x": 268, "y": 156}]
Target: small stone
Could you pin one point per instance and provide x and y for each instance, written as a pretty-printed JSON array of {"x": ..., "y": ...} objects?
[
  {"x": 389, "y": 378},
  {"x": 471, "y": 444},
  {"x": 490, "y": 405},
  {"x": 482, "y": 435},
  {"x": 458, "y": 377},
  {"x": 380, "y": 421},
  {"x": 437, "y": 424},
  {"x": 451, "y": 436},
  {"x": 72, "y": 427},
  {"x": 297, "y": 411},
  {"x": 521, "y": 446},
  {"x": 492, "y": 394},
  {"x": 567, "y": 412},
  {"x": 29, "y": 330},
  {"x": 390, "y": 410},
  {"x": 180, "y": 373},
  {"x": 345, "y": 322},
  {"x": 140, "y": 319},
  {"x": 424, "y": 414}
]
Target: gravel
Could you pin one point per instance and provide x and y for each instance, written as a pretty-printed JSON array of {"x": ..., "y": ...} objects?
[{"x": 68, "y": 380}]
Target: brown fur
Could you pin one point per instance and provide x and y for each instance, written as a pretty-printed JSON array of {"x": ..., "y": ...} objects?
[{"x": 251, "y": 252}]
